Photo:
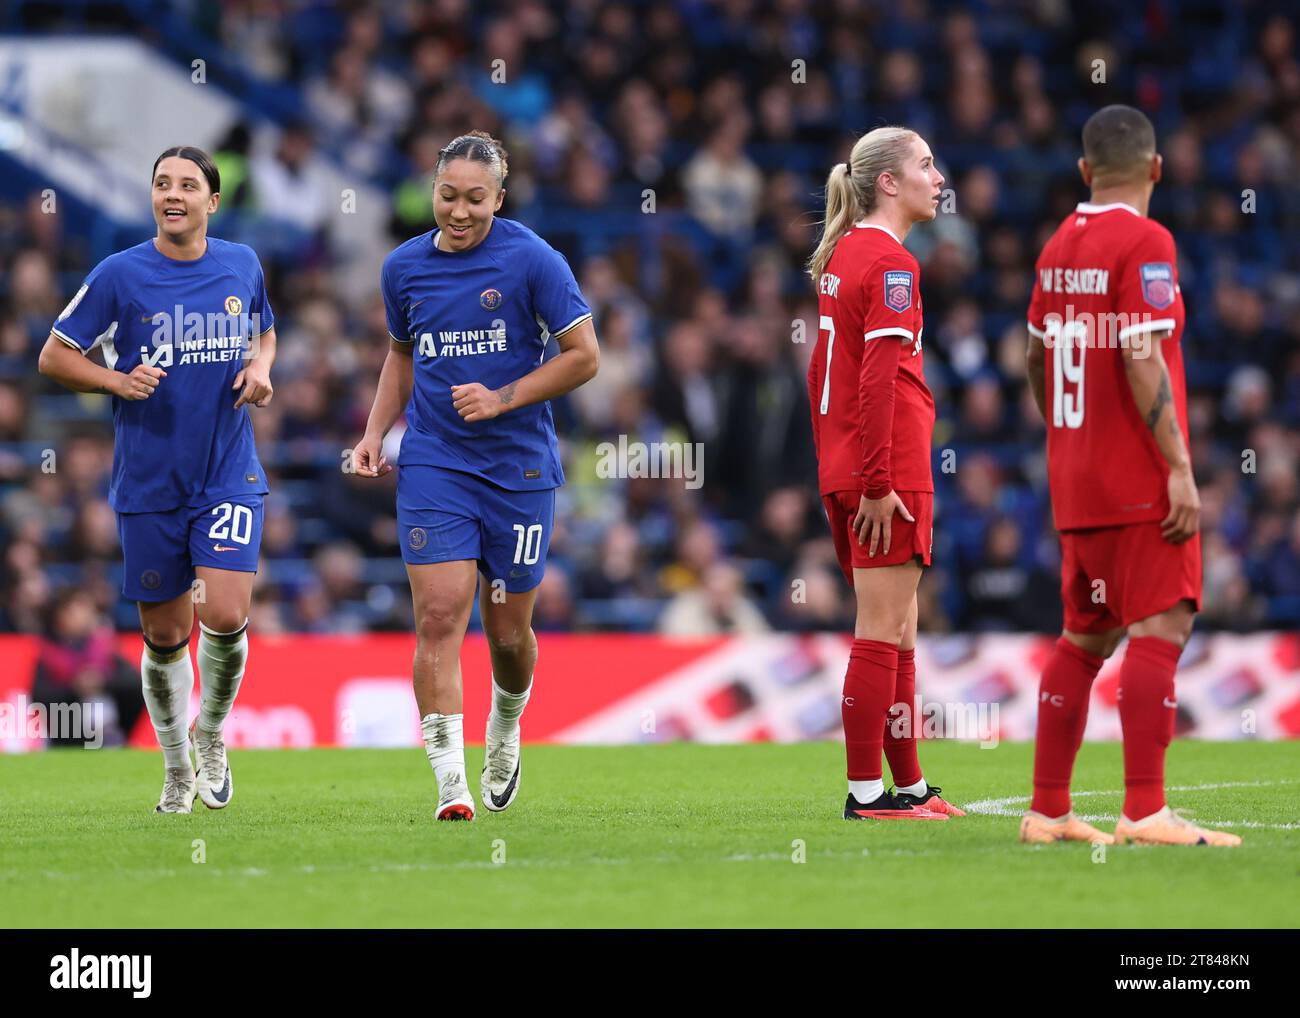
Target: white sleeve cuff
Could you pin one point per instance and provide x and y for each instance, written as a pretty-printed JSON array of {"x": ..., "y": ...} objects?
[
  {"x": 894, "y": 331},
  {"x": 1158, "y": 325},
  {"x": 572, "y": 325},
  {"x": 70, "y": 342},
  {"x": 1035, "y": 331}
]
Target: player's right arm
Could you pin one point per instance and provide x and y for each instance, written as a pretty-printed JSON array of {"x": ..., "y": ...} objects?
[
  {"x": 396, "y": 380},
  {"x": 1035, "y": 351},
  {"x": 395, "y": 383},
  {"x": 813, "y": 389},
  {"x": 74, "y": 370},
  {"x": 92, "y": 314}
]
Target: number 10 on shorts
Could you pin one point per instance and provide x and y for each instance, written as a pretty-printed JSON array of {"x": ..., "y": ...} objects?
[{"x": 528, "y": 546}]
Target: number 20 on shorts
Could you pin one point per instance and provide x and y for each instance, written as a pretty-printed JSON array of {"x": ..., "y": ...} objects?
[{"x": 234, "y": 523}]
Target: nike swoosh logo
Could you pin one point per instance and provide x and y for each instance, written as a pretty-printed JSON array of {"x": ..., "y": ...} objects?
[
  {"x": 223, "y": 793},
  {"x": 223, "y": 547},
  {"x": 504, "y": 797},
  {"x": 1168, "y": 704}
]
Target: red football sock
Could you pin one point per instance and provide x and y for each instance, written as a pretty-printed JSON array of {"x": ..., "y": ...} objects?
[
  {"x": 901, "y": 752},
  {"x": 1062, "y": 716},
  {"x": 1146, "y": 716},
  {"x": 868, "y": 693}
]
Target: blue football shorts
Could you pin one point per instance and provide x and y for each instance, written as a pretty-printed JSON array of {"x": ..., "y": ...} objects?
[
  {"x": 160, "y": 550},
  {"x": 449, "y": 516}
]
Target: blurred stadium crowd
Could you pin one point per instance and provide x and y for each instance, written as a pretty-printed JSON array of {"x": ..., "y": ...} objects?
[{"x": 726, "y": 117}]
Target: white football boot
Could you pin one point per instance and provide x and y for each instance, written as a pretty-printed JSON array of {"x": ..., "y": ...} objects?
[
  {"x": 501, "y": 766},
  {"x": 454, "y": 799},
  {"x": 215, "y": 786},
  {"x": 178, "y": 791}
]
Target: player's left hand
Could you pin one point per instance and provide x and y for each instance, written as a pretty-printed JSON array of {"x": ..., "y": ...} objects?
[
  {"x": 475, "y": 402},
  {"x": 256, "y": 383}
]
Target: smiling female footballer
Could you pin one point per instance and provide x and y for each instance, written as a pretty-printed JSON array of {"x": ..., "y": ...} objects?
[
  {"x": 188, "y": 340},
  {"x": 471, "y": 307}
]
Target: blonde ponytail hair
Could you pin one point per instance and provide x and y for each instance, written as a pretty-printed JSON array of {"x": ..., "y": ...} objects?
[{"x": 851, "y": 187}]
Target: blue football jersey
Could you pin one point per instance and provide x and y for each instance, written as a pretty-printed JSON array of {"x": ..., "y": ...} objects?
[
  {"x": 185, "y": 445},
  {"x": 482, "y": 315}
]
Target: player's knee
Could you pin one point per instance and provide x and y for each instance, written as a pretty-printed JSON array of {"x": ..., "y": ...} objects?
[
  {"x": 163, "y": 635},
  {"x": 1100, "y": 645},
  {"x": 1173, "y": 625},
  {"x": 508, "y": 639},
  {"x": 1108, "y": 643},
  {"x": 439, "y": 620},
  {"x": 224, "y": 620},
  {"x": 883, "y": 630}
]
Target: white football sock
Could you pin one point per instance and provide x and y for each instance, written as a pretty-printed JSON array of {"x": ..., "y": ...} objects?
[
  {"x": 867, "y": 791},
  {"x": 167, "y": 678},
  {"x": 506, "y": 709},
  {"x": 222, "y": 657},
  {"x": 444, "y": 744},
  {"x": 919, "y": 789}
]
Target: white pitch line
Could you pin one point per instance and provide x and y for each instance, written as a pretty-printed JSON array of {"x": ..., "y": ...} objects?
[{"x": 1001, "y": 807}]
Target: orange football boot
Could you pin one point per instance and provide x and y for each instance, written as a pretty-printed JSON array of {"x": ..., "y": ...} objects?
[
  {"x": 1036, "y": 829},
  {"x": 1166, "y": 827}
]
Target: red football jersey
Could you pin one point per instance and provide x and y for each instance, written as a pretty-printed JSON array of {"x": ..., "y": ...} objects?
[
  {"x": 1107, "y": 278},
  {"x": 872, "y": 413}
]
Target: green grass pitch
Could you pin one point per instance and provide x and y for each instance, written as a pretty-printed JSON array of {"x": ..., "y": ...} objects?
[{"x": 672, "y": 835}]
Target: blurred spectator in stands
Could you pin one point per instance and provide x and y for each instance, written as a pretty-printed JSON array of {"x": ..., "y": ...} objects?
[
  {"x": 968, "y": 517},
  {"x": 413, "y": 199},
  {"x": 1004, "y": 593},
  {"x": 719, "y": 606},
  {"x": 766, "y": 436},
  {"x": 338, "y": 567},
  {"x": 983, "y": 415},
  {"x": 78, "y": 663},
  {"x": 1226, "y": 600},
  {"x": 13, "y": 412},
  {"x": 786, "y": 519},
  {"x": 554, "y": 608},
  {"x": 231, "y": 155},
  {"x": 620, "y": 568},
  {"x": 34, "y": 299},
  {"x": 1245, "y": 404},
  {"x": 289, "y": 187},
  {"x": 722, "y": 184},
  {"x": 813, "y": 598},
  {"x": 698, "y": 548},
  {"x": 94, "y": 535},
  {"x": 520, "y": 95},
  {"x": 625, "y": 365},
  {"x": 684, "y": 392}
]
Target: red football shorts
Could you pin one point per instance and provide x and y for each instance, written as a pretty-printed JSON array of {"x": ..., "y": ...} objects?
[
  {"x": 1112, "y": 577},
  {"x": 906, "y": 542}
]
